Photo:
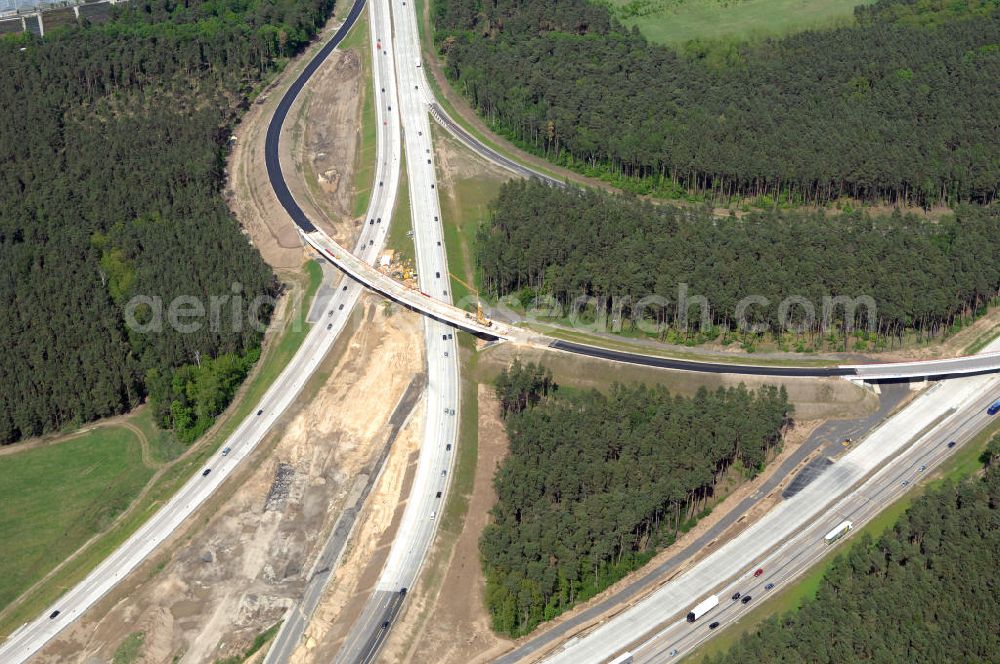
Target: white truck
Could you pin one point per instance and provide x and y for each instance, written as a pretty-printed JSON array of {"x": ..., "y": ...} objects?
[
  {"x": 704, "y": 606},
  {"x": 624, "y": 658},
  {"x": 842, "y": 528}
]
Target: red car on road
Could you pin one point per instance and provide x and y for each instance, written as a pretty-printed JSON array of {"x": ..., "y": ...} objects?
[{"x": 760, "y": 570}]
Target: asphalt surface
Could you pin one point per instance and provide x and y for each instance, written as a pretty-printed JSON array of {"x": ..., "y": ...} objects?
[
  {"x": 273, "y": 136},
  {"x": 439, "y": 441},
  {"x": 704, "y": 367},
  {"x": 827, "y": 438},
  {"x": 789, "y": 537},
  {"x": 808, "y": 546}
]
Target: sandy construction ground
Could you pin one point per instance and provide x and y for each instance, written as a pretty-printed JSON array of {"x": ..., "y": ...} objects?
[
  {"x": 242, "y": 560},
  {"x": 354, "y": 579}
]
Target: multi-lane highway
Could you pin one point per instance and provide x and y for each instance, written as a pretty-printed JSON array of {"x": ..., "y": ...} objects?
[
  {"x": 825, "y": 442},
  {"x": 856, "y": 487},
  {"x": 30, "y": 638},
  {"x": 374, "y": 233},
  {"x": 439, "y": 443},
  {"x": 805, "y": 549}
]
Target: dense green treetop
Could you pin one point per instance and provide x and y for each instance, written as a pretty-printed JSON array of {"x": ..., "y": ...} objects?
[
  {"x": 921, "y": 274},
  {"x": 111, "y": 166},
  {"x": 902, "y": 107},
  {"x": 594, "y": 484}
]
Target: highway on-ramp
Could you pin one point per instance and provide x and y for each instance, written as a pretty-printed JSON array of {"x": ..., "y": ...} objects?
[{"x": 488, "y": 153}]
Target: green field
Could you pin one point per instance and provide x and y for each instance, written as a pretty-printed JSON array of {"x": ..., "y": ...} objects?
[
  {"x": 465, "y": 205},
  {"x": 130, "y": 649},
  {"x": 400, "y": 237},
  {"x": 56, "y": 498},
  {"x": 678, "y": 21},
  {"x": 464, "y": 472}
]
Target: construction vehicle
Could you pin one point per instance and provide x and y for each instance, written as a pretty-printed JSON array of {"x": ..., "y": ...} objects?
[{"x": 480, "y": 317}]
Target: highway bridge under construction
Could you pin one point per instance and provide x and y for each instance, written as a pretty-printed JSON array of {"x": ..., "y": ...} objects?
[{"x": 370, "y": 277}]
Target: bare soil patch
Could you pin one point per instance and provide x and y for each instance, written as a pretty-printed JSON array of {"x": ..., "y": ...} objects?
[
  {"x": 951, "y": 347},
  {"x": 234, "y": 568},
  {"x": 366, "y": 551},
  {"x": 320, "y": 141}
]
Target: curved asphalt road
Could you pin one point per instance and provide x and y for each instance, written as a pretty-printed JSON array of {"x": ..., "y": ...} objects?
[
  {"x": 281, "y": 112},
  {"x": 394, "y": 64},
  {"x": 489, "y": 154}
]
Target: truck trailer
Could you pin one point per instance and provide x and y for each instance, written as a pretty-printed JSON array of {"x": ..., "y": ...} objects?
[
  {"x": 838, "y": 532},
  {"x": 624, "y": 658},
  {"x": 703, "y": 607}
]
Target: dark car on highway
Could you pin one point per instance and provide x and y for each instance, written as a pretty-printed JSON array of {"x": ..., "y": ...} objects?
[
  {"x": 746, "y": 599},
  {"x": 736, "y": 596},
  {"x": 53, "y": 614},
  {"x": 205, "y": 472},
  {"x": 714, "y": 625}
]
